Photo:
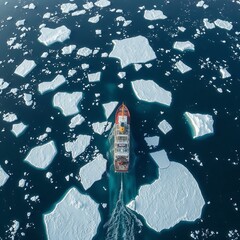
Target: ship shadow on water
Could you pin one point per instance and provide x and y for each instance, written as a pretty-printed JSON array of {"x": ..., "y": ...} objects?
[{"x": 122, "y": 223}]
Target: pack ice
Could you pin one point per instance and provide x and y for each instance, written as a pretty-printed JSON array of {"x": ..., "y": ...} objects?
[
  {"x": 3, "y": 177},
  {"x": 25, "y": 68},
  {"x": 76, "y": 216},
  {"x": 132, "y": 50}
]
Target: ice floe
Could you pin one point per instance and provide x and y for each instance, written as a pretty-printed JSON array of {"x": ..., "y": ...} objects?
[
  {"x": 94, "y": 19},
  {"x": 52, "y": 35},
  {"x": 3, "y": 177},
  {"x": 20, "y": 23},
  {"x": 102, "y": 3},
  {"x": 101, "y": 127},
  {"x": 78, "y": 146},
  {"x": 18, "y": 128},
  {"x": 9, "y": 117},
  {"x": 94, "y": 77},
  {"x": 3, "y": 84},
  {"x": 208, "y": 24},
  {"x": 201, "y": 124},
  {"x": 76, "y": 120},
  {"x": 183, "y": 46},
  {"x": 88, "y": 5},
  {"x": 67, "y": 102},
  {"x": 92, "y": 171},
  {"x": 223, "y": 24},
  {"x": 224, "y": 73},
  {"x": 84, "y": 51},
  {"x": 109, "y": 108},
  {"x": 149, "y": 91},
  {"x": 182, "y": 67},
  {"x": 152, "y": 141},
  {"x": 175, "y": 196},
  {"x": 161, "y": 158},
  {"x": 68, "y": 7},
  {"x": 76, "y": 216},
  {"x": 68, "y": 49},
  {"x": 52, "y": 85},
  {"x": 42, "y": 156},
  {"x": 132, "y": 50},
  {"x": 25, "y": 67},
  {"x": 154, "y": 15},
  {"x": 164, "y": 126}
]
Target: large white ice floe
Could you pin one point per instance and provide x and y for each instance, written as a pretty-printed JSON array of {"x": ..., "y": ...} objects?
[
  {"x": 149, "y": 91},
  {"x": 161, "y": 158},
  {"x": 175, "y": 196},
  {"x": 109, "y": 108},
  {"x": 76, "y": 216},
  {"x": 42, "y": 156},
  {"x": 224, "y": 73},
  {"x": 68, "y": 7},
  {"x": 102, "y": 3},
  {"x": 92, "y": 171},
  {"x": 51, "y": 35},
  {"x": 18, "y": 128},
  {"x": 201, "y": 124},
  {"x": 182, "y": 67},
  {"x": 67, "y": 102},
  {"x": 25, "y": 68},
  {"x": 132, "y": 50},
  {"x": 3, "y": 177},
  {"x": 9, "y": 117},
  {"x": 52, "y": 85},
  {"x": 76, "y": 120},
  {"x": 154, "y": 15},
  {"x": 184, "y": 46},
  {"x": 152, "y": 141},
  {"x": 101, "y": 127},
  {"x": 164, "y": 126},
  {"x": 78, "y": 146},
  {"x": 223, "y": 24},
  {"x": 94, "y": 77}
]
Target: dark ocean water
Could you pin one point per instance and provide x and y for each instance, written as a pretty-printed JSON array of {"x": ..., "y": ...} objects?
[{"x": 195, "y": 91}]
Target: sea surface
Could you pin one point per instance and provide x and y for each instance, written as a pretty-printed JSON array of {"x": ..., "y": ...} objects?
[{"x": 202, "y": 90}]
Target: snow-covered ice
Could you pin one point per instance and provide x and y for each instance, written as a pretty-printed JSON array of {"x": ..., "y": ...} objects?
[
  {"x": 78, "y": 146},
  {"x": 42, "y": 156},
  {"x": 161, "y": 158},
  {"x": 152, "y": 141},
  {"x": 25, "y": 67},
  {"x": 182, "y": 67},
  {"x": 164, "y": 126},
  {"x": 109, "y": 108},
  {"x": 92, "y": 171},
  {"x": 76, "y": 216},
  {"x": 18, "y": 128},
  {"x": 68, "y": 49},
  {"x": 68, "y": 7},
  {"x": 94, "y": 77},
  {"x": 149, "y": 91},
  {"x": 84, "y": 51},
  {"x": 183, "y": 46},
  {"x": 3, "y": 177},
  {"x": 51, "y": 35},
  {"x": 223, "y": 24},
  {"x": 175, "y": 196},
  {"x": 132, "y": 50},
  {"x": 52, "y": 85},
  {"x": 154, "y": 15},
  {"x": 201, "y": 124},
  {"x": 102, "y": 3},
  {"x": 9, "y": 117},
  {"x": 101, "y": 127},
  {"x": 76, "y": 120},
  {"x": 224, "y": 73},
  {"x": 67, "y": 102}
]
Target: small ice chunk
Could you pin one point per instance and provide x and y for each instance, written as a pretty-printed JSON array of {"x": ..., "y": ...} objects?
[
  {"x": 79, "y": 12},
  {"x": 149, "y": 91},
  {"x": 78, "y": 146},
  {"x": 200, "y": 3},
  {"x": 75, "y": 216},
  {"x": 71, "y": 72},
  {"x": 9, "y": 117},
  {"x": 3, "y": 84},
  {"x": 154, "y": 15},
  {"x": 164, "y": 126},
  {"x": 100, "y": 127},
  {"x": 88, "y": 5},
  {"x": 224, "y": 73},
  {"x": 201, "y": 124},
  {"x": 18, "y": 129},
  {"x": 182, "y": 67},
  {"x": 67, "y": 102},
  {"x": 92, "y": 171},
  {"x": 132, "y": 50},
  {"x": 22, "y": 183},
  {"x": 183, "y": 46},
  {"x": 42, "y": 156},
  {"x": 94, "y": 77},
  {"x": 68, "y": 50},
  {"x": 207, "y": 24},
  {"x": 3, "y": 177},
  {"x": 137, "y": 66},
  {"x": 52, "y": 85},
  {"x": 76, "y": 120},
  {"x": 94, "y": 19},
  {"x": 20, "y": 22},
  {"x": 25, "y": 68},
  {"x": 102, "y": 3},
  {"x": 84, "y": 51},
  {"x": 52, "y": 35},
  {"x": 152, "y": 141},
  {"x": 109, "y": 108},
  {"x": 27, "y": 97},
  {"x": 46, "y": 15},
  {"x": 44, "y": 55},
  {"x": 68, "y": 7},
  {"x": 122, "y": 75},
  {"x": 223, "y": 24},
  {"x": 161, "y": 158},
  {"x": 182, "y": 29}
]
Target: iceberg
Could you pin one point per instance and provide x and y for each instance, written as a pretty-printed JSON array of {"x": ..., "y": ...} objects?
[
  {"x": 68, "y": 50},
  {"x": 18, "y": 128},
  {"x": 68, "y": 7},
  {"x": 52, "y": 85},
  {"x": 75, "y": 216},
  {"x": 164, "y": 126},
  {"x": 42, "y": 156},
  {"x": 3, "y": 177},
  {"x": 154, "y": 15},
  {"x": 102, "y": 3},
  {"x": 224, "y": 73},
  {"x": 182, "y": 67},
  {"x": 161, "y": 158},
  {"x": 67, "y": 102},
  {"x": 78, "y": 146},
  {"x": 132, "y": 50},
  {"x": 92, "y": 171},
  {"x": 25, "y": 68},
  {"x": 109, "y": 108},
  {"x": 223, "y": 24},
  {"x": 184, "y": 46},
  {"x": 94, "y": 77},
  {"x": 52, "y": 35},
  {"x": 201, "y": 124},
  {"x": 149, "y": 91}
]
